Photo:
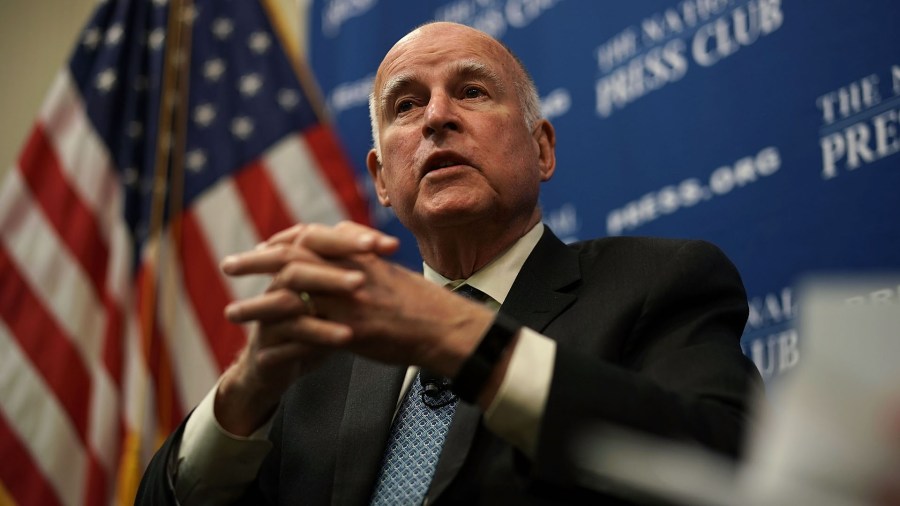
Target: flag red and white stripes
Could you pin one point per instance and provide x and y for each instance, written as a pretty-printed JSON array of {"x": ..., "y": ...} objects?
[{"x": 106, "y": 341}]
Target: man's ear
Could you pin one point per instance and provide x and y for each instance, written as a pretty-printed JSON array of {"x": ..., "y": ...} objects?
[
  {"x": 545, "y": 138},
  {"x": 374, "y": 167}
]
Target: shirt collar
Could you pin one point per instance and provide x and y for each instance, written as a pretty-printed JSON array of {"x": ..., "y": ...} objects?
[{"x": 496, "y": 278}]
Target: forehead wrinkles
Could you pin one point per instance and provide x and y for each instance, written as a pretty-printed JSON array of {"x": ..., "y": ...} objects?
[{"x": 463, "y": 69}]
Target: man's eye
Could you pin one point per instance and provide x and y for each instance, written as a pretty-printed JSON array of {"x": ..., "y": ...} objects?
[
  {"x": 404, "y": 105},
  {"x": 473, "y": 92}
]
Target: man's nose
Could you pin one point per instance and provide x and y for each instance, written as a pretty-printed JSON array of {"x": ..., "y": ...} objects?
[{"x": 440, "y": 115}]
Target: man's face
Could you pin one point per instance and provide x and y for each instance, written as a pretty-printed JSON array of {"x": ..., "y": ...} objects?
[{"x": 455, "y": 146}]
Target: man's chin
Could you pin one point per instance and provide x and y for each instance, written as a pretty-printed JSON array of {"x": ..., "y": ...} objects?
[{"x": 455, "y": 215}]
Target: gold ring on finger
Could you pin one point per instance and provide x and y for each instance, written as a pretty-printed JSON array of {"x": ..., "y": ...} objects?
[{"x": 308, "y": 302}]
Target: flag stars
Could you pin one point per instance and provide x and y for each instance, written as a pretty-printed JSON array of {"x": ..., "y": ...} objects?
[
  {"x": 213, "y": 69},
  {"x": 114, "y": 34},
  {"x": 195, "y": 160},
  {"x": 156, "y": 39},
  {"x": 242, "y": 127},
  {"x": 130, "y": 177},
  {"x": 135, "y": 130},
  {"x": 106, "y": 80},
  {"x": 250, "y": 84},
  {"x": 222, "y": 28},
  {"x": 204, "y": 115},
  {"x": 91, "y": 38},
  {"x": 287, "y": 99},
  {"x": 259, "y": 42}
]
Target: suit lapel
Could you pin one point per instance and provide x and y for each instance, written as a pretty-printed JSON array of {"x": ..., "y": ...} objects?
[
  {"x": 540, "y": 293},
  {"x": 535, "y": 299},
  {"x": 373, "y": 392}
]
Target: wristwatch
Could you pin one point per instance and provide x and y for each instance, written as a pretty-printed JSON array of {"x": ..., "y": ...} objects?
[{"x": 476, "y": 370}]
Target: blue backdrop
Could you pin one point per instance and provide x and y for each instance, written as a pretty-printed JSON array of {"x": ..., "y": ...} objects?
[{"x": 769, "y": 127}]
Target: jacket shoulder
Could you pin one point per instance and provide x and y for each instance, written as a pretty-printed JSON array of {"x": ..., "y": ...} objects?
[{"x": 643, "y": 246}]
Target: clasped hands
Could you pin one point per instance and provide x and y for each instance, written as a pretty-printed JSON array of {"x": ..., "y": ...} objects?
[{"x": 332, "y": 289}]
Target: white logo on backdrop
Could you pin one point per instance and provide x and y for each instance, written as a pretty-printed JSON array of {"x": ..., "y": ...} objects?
[
  {"x": 494, "y": 16},
  {"x": 691, "y": 191},
  {"x": 564, "y": 222},
  {"x": 337, "y": 12},
  {"x": 859, "y": 125},
  {"x": 773, "y": 341},
  {"x": 350, "y": 94},
  {"x": 556, "y": 103},
  {"x": 641, "y": 59}
]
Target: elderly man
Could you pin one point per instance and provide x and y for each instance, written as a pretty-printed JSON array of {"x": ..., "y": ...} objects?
[{"x": 326, "y": 403}]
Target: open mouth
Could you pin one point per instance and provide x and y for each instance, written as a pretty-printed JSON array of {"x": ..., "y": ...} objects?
[{"x": 440, "y": 161}]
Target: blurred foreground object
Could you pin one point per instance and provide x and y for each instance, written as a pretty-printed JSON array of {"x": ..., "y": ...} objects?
[{"x": 828, "y": 435}]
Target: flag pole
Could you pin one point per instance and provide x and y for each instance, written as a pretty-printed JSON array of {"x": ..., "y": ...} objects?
[
  {"x": 181, "y": 65},
  {"x": 290, "y": 42},
  {"x": 169, "y": 136}
]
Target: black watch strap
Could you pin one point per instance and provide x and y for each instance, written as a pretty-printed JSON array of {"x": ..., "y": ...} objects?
[{"x": 476, "y": 370}]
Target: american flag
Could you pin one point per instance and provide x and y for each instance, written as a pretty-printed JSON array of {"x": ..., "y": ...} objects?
[{"x": 178, "y": 133}]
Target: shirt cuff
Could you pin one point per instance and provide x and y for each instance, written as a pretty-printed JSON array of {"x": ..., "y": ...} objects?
[
  {"x": 215, "y": 466},
  {"x": 517, "y": 409}
]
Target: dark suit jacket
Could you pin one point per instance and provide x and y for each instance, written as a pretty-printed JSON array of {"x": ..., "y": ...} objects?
[{"x": 647, "y": 334}]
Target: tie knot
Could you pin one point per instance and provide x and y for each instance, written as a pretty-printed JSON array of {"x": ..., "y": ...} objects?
[{"x": 472, "y": 293}]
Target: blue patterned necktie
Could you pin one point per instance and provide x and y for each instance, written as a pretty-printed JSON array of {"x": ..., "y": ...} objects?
[{"x": 417, "y": 437}]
